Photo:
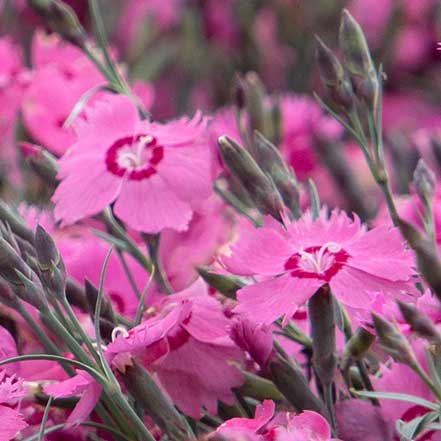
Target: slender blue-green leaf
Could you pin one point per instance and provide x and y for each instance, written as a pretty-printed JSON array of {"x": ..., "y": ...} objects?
[
  {"x": 44, "y": 419},
  {"x": 398, "y": 397}
]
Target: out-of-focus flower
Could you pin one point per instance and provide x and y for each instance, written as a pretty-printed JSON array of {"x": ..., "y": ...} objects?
[
  {"x": 294, "y": 263},
  {"x": 155, "y": 173},
  {"x": 188, "y": 348}
]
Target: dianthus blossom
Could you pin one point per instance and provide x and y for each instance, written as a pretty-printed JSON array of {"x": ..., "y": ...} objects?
[
  {"x": 154, "y": 173},
  {"x": 293, "y": 263}
]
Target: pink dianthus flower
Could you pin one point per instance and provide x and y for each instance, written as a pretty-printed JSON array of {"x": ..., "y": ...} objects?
[
  {"x": 293, "y": 263},
  {"x": 155, "y": 173}
]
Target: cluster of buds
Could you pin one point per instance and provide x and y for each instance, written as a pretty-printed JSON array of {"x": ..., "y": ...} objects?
[
  {"x": 355, "y": 78},
  {"x": 264, "y": 180}
]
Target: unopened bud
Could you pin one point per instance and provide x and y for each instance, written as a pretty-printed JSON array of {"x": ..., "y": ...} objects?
[
  {"x": 10, "y": 261},
  {"x": 272, "y": 164},
  {"x": 50, "y": 262},
  {"x": 424, "y": 181},
  {"x": 358, "y": 59},
  {"x": 259, "y": 187},
  {"x": 436, "y": 148},
  {"x": 321, "y": 316},
  {"x": 29, "y": 292},
  {"x": 15, "y": 221},
  {"x": 419, "y": 322},
  {"x": 290, "y": 380},
  {"x": 333, "y": 76},
  {"x": 357, "y": 346},
  {"x": 252, "y": 91},
  {"x": 62, "y": 19},
  {"x": 393, "y": 341},
  {"x": 7, "y": 297},
  {"x": 41, "y": 162},
  {"x": 224, "y": 283},
  {"x": 106, "y": 305},
  {"x": 428, "y": 262}
]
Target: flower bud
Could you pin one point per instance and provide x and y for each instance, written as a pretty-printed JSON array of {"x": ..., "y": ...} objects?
[
  {"x": 333, "y": 76},
  {"x": 106, "y": 305},
  {"x": 356, "y": 346},
  {"x": 419, "y": 322},
  {"x": 10, "y": 261},
  {"x": 29, "y": 292},
  {"x": 259, "y": 187},
  {"x": 150, "y": 397},
  {"x": 224, "y": 283},
  {"x": 321, "y": 316},
  {"x": 358, "y": 59},
  {"x": 42, "y": 162},
  {"x": 424, "y": 181},
  {"x": 250, "y": 96},
  {"x": 50, "y": 262},
  {"x": 290, "y": 380},
  {"x": 16, "y": 223},
  {"x": 272, "y": 164},
  {"x": 428, "y": 262},
  {"x": 7, "y": 297},
  {"x": 62, "y": 19},
  {"x": 393, "y": 341}
]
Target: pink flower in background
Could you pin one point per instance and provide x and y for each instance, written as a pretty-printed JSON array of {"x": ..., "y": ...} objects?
[
  {"x": 293, "y": 264},
  {"x": 82, "y": 384},
  {"x": 11, "y": 420},
  {"x": 8, "y": 349},
  {"x": 188, "y": 348},
  {"x": 61, "y": 75},
  {"x": 182, "y": 252},
  {"x": 155, "y": 173}
]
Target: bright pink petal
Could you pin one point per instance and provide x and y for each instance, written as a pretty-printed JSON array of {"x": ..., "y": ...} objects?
[
  {"x": 311, "y": 425},
  {"x": 258, "y": 251},
  {"x": 11, "y": 423},
  {"x": 358, "y": 289},
  {"x": 197, "y": 375},
  {"x": 86, "y": 405},
  {"x": 266, "y": 301},
  {"x": 263, "y": 415},
  {"x": 70, "y": 387},
  {"x": 150, "y": 206}
]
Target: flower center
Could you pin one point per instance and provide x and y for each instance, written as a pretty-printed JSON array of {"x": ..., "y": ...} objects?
[
  {"x": 136, "y": 157},
  {"x": 317, "y": 262}
]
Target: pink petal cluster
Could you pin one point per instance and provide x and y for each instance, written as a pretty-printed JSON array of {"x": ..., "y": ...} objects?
[
  {"x": 293, "y": 263},
  {"x": 307, "y": 426},
  {"x": 186, "y": 344}
]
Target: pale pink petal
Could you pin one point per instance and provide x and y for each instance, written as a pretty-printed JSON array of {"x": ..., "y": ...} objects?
[
  {"x": 266, "y": 301},
  {"x": 311, "y": 424},
  {"x": 11, "y": 423},
  {"x": 85, "y": 193},
  {"x": 187, "y": 171},
  {"x": 150, "y": 206}
]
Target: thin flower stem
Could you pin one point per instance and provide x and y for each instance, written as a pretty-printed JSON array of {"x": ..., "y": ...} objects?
[
  {"x": 116, "y": 229},
  {"x": 128, "y": 273},
  {"x": 329, "y": 402},
  {"x": 367, "y": 383},
  {"x": 422, "y": 374}
]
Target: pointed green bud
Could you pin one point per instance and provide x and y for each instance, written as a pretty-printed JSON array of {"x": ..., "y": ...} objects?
[
  {"x": 224, "y": 283},
  {"x": 259, "y": 187},
  {"x": 41, "y": 162},
  {"x": 50, "y": 262},
  {"x": 419, "y": 322},
  {"x": 424, "y": 181},
  {"x": 62, "y": 19},
  {"x": 10, "y": 261},
  {"x": 15, "y": 221},
  {"x": 358, "y": 61},
  {"x": 356, "y": 346},
  {"x": 393, "y": 341},
  {"x": 272, "y": 164},
  {"x": 333, "y": 76}
]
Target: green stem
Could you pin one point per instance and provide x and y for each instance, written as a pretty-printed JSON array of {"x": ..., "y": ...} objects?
[{"x": 422, "y": 374}]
